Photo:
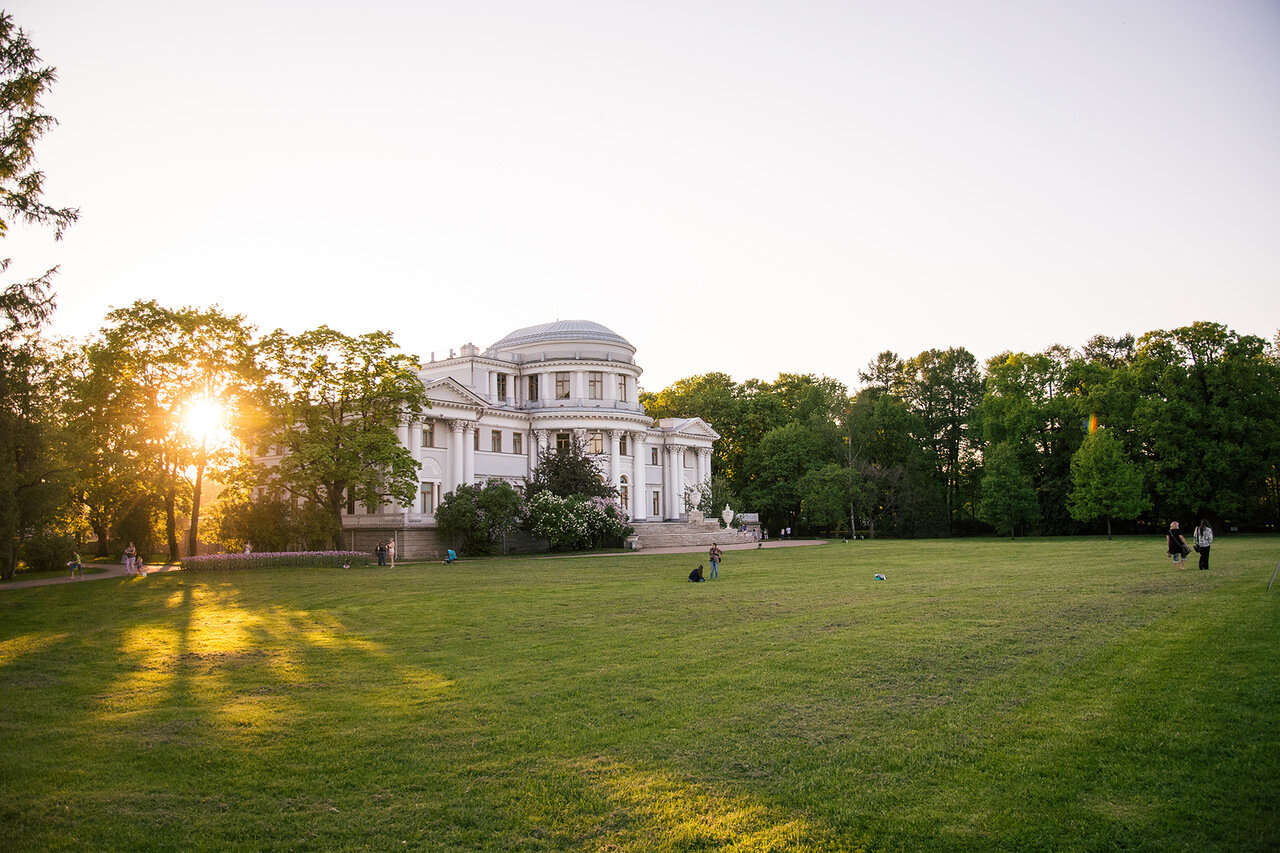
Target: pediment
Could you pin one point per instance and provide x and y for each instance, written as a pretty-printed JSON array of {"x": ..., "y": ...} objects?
[
  {"x": 694, "y": 427},
  {"x": 448, "y": 391}
]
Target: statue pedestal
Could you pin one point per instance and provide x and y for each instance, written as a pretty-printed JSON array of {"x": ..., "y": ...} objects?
[{"x": 695, "y": 516}]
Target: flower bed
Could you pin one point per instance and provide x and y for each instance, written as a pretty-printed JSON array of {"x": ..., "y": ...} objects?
[{"x": 277, "y": 559}]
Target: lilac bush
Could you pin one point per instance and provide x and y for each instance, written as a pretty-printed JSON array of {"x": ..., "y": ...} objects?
[{"x": 277, "y": 559}]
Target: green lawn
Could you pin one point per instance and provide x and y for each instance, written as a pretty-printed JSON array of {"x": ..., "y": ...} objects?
[{"x": 1034, "y": 695}]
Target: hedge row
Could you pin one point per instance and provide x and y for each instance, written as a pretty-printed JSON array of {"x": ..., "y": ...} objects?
[{"x": 278, "y": 559}]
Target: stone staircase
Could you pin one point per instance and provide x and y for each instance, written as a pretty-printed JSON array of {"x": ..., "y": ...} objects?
[{"x": 680, "y": 534}]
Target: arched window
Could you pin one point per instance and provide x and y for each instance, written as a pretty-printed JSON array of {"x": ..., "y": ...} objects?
[{"x": 624, "y": 492}]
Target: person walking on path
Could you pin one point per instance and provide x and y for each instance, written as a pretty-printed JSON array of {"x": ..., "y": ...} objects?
[
  {"x": 714, "y": 556},
  {"x": 1203, "y": 538},
  {"x": 75, "y": 565},
  {"x": 1177, "y": 545},
  {"x": 130, "y": 554}
]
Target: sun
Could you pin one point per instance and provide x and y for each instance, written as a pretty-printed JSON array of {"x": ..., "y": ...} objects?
[{"x": 202, "y": 418}]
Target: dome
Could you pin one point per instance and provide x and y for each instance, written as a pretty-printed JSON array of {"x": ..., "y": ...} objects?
[{"x": 562, "y": 330}]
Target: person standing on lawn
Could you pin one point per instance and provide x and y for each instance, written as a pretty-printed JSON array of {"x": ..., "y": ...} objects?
[
  {"x": 714, "y": 555},
  {"x": 1203, "y": 538},
  {"x": 1177, "y": 545}
]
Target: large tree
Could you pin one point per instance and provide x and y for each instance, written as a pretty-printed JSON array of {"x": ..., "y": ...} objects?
[
  {"x": 29, "y": 493},
  {"x": 171, "y": 373},
  {"x": 335, "y": 404},
  {"x": 1106, "y": 484},
  {"x": 1207, "y": 416},
  {"x": 1008, "y": 498},
  {"x": 943, "y": 389}
]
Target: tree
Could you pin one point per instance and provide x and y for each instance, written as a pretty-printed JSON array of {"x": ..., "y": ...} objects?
[
  {"x": 1207, "y": 417},
  {"x": 569, "y": 471},
  {"x": 335, "y": 403},
  {"x": 1106, "y": 484},
  {"x": 30, "y": 493},
  {"x": 832, "y": 495},
  {"x": 161, "y": 372},
  {"x": 105, "y": 447},
  {"x": 1008, "y": 498},
  {"x": 480, "y": 516},
  {"x": 23, "y": 81},
  {"x": 778, "y": 465},
  {"x": 1027, "y": 401},
  {"x": 943, "y": 389},
  {"x": 32, "y": 473}
]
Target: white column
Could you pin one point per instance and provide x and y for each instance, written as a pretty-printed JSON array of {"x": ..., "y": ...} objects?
[
  {"x": 469, "y": 453},
  {"x": 615, "y": 457},
  {"x": 668, "y": 482},
  {"x": 456, "y": 452},
  {"x": 639, "y": 488}
]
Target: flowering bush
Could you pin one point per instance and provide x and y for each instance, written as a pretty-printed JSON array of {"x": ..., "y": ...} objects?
[
  {"x": 277, "y": 559},
  {"x": 575, "y": 522}
]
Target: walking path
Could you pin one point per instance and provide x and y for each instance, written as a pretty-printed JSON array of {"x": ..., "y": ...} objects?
[{"x": 114, "y": 570}]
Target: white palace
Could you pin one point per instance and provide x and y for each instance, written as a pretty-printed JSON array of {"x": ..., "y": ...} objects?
[{"x": 495, "y": 413}]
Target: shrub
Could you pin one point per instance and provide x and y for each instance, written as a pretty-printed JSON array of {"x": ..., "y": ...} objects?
[
  {"x": 48, "y": 552},
  {"x": 277, "y": 559}
]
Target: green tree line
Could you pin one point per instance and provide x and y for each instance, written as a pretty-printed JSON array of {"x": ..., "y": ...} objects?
[{"x": 1174, "y": 424}]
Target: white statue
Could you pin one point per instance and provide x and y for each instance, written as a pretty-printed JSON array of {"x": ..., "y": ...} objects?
[{"x": 727, "y": 515}]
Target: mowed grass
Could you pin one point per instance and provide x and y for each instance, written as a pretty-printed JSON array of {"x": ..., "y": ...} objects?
[{"x": 1070, "y": 694}]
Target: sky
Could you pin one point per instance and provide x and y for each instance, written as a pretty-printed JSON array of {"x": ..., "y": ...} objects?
[{"x": 736, "y": 186}]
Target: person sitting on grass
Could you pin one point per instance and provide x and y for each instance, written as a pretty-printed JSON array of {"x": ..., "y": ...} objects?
[
  {"x": 450, "y": 557},
  {"x": 695, "y": 576}
]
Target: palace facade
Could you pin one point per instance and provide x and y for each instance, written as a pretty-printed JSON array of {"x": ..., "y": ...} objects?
[{"x": 495, "y": 412}]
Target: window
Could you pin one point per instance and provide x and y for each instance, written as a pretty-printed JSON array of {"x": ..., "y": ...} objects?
[
  {"x": 562, "y": 385},
  {"x": 622, "y": 445},
  {"x": 657, "y": 504},
  {"x": 351, "y": 503},
  {"x": 497, "y": 441},
  {"x": 429, "y": 434},
  {"x": 428, "y": 498},
  {"x": 562, "y": 441},
  {"x": 517, "y": 442},
  {"x": 502, "y": 386},
  {"x": 653, "y": 456},
  {"x": 372, "y": 507},
  {"x": 595, "y": 385},
  {"x": 622, "y": 389},
  {"x": 533, "y": 388},
  {"x": 624, "y": 490},
  {"x": 595, "y": 442},
  {"x": 475, "y": 438}
]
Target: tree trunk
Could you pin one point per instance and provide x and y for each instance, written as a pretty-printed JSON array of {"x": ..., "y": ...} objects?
[
  {"x": 193, "y": 536},
  {"x": 171, "y": 520},
  {"x": 1108, "y": 528},
  {"x": 104, "y": 536}
]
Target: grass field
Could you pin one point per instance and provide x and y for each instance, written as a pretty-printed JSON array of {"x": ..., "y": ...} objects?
[{"x": 989, "y": 695}]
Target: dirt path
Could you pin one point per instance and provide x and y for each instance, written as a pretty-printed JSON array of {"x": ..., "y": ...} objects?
[{"x": 113, "y": 571}]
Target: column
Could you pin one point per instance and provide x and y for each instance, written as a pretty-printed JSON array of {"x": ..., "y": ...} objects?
[
  {"x": 639, "y": 488},
  {"x": 615, "y": 454},
  {"x": 469, "y": 453},
  {"x": 456, "y": 448}
]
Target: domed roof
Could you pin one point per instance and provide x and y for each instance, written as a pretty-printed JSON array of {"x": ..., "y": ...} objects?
[{"x": 562, "y": 330}]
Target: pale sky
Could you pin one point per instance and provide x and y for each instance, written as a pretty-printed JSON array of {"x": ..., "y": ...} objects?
[{"x": 746, "y": 187}]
